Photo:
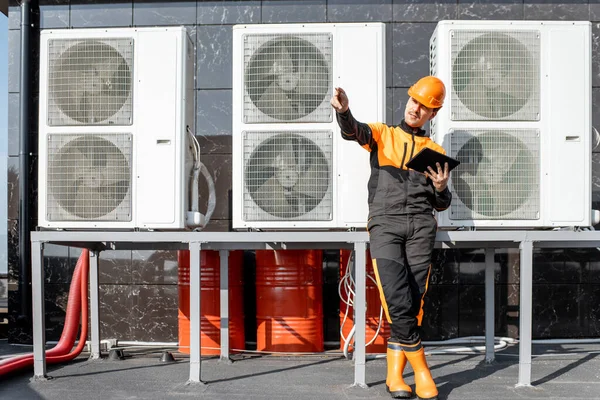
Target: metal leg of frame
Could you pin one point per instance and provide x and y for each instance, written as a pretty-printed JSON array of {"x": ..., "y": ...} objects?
[
  {"x": 224, "y": 304},
  {"x": 525, "y": 313},
  {"x": 94, "y": 306},
  {"x": 39, "y": 328},
  {"x": 489, "y": 305},
  {"x": 360, "y": 249},
  {"x": 195, "y": 354}
]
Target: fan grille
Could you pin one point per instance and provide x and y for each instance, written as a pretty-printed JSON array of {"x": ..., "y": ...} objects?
[
  {"x": 495, "y": 75},
  {"x": 90, "y": 82},
  {"x": 433, "y": 72},
  {"x": 498, "y": 177},
  {"x": 288, "y": 176},
  {"x": 287, "y": 78},
  {"x": 89, "y": 177}
]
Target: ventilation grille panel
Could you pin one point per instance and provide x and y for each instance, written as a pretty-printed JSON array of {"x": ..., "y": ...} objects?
[
  {"x": 89, "y": 177},
  {"x": 90, "y": 82},
  {"x": 287, "y": 176},
  {"x": 287, "y": 78},
  {"x": 498, "y": 177},
  {"x": 495, "y": 75}
]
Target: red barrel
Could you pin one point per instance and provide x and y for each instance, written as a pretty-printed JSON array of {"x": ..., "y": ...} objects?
[
  {"x": 289, "y": 300},
  {"x": 210, "y": 322},
  {"x": 373, "y": 309}
]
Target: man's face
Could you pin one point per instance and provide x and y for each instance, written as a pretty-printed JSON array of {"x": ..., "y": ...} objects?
[{"x": 416, "y": 114}]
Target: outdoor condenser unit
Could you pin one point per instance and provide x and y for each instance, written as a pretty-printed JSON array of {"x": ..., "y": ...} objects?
[
  {"x": 291, "y": 167},
  {"x": 116, "y": 106},
  {"x": 518, "y": 117}
]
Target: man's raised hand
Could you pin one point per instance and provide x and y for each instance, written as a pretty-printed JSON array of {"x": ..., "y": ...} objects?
[{"x": 339, "y": 100}]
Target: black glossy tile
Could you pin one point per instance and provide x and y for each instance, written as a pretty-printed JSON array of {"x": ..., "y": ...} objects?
[
  {"x": 101, "y": 14},
  {"x": 14, "y": 16},
  {"x": 490, "y": 9},
  {"x": 290, "y": 11},
  {"x": 57, "y": 268},
  {"x": 506, "y": 320},
  {"x": 440, "y": 313},
  {"x": 566, "y": 10},
  {"x": 54, "y": 14},
  {"x": 117, "y": 315},
  {"x": 359, "y": 10},
  {"x": 592, "y": 300},
  {"x": 213, "y": 50},
  {"x": 12, "y": 190},
  {"x": 56, "y": 299},
  {"x": 228, "y": 12},
  {"x": 13, "y": 131},
  {"x": 114, "y": 267},
  {"x": 219, "y": 144},
  {"x": 556, "y": 266},
  {"x": 14, "y": 61},
  {"x": 594, "y": 10},
  {"x": 419, "y": 10},
  {"x": 154, "y": 267},
  {"x": 411, "y": 52},
  {"x": 557, "y": 311},
  {"x": 213, "y": 113},
  {"x": 400, "y": 97},
  {"x": 389, "y": 106},
  {"x": 164, "y": 13},
  {"x": 445, "y": 267},
  {"x": 155, "y": 311}
]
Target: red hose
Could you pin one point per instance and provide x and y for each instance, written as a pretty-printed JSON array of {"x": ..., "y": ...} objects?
[{"x": 77, "y": 299}]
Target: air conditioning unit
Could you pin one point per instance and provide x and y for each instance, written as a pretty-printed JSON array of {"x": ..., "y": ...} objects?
[
  {"x": 116, "y": 106},
  {"x": 518, "y": 117},
  {"x": 291, "y": 167}
]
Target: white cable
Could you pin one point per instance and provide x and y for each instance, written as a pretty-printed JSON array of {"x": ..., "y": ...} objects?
[
  {"x": 199, "y": 167},
  {"x": 212, "y": 197},
  {"x": 347, "y": 282}
]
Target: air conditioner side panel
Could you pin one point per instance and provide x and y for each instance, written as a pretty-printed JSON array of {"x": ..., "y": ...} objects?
[
  {"x": 158, "y": 111},
  {"x": 42, "y": 140},
  {"x": 363, "y": 79},
  {"x": 568, "y": 159}
]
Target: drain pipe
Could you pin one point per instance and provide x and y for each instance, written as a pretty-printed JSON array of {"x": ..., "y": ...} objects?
[{"x": 24, "y": 159}]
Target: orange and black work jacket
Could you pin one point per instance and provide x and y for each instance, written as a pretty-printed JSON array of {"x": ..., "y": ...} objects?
[{"x": 393, "y": 188}]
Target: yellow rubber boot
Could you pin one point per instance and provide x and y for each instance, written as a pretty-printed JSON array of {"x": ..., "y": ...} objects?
[
  {"x": 396, "y": 361},
  {"x": 424, "y": 384}
]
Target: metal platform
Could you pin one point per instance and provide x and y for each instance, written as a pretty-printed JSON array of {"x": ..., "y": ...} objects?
[{"x": 358, "y": 241}]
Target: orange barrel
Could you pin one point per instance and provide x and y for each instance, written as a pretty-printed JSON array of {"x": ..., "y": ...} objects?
[
  {"x": 373, "y": 309},
  {"x": 289, "y": 300},
  {"x": 210, "y": 303}
]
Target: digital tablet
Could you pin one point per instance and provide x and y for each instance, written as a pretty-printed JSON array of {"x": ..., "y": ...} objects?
[{"x": 428, "y": 157}]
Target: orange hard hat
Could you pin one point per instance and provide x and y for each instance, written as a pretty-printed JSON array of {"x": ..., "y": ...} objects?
[{"x": 429, "y": 91}]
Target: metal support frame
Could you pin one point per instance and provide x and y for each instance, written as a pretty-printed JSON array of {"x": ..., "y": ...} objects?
[
  {"x": 224, "y": 241},
  {"x": 94, "y": 306},
  {"x": 224, "y": 303},
  {"x": 489, "y": 305},
  {"x": 525, "y": 313}
]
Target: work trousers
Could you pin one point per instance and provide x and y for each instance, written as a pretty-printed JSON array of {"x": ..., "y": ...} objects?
[{"x": 401, "y": 247}]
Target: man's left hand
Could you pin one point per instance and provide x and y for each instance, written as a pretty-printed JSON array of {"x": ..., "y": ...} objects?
[{"x": 439, "y": 177}]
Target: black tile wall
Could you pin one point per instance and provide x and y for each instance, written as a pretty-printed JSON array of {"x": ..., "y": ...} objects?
[
  {"x": 290, "y": 11},
  {"x": 213, "y": 112},
  {"x": 359, "y": 10},
  {"x": 139, "y": 288},
  {"x": 213, "y": 51},
  {"x": 424, "y": 11},
  {"x": 490, "y": 9},
  {"x": 164, "y": 13},
  {"x": 101, "y": 15},
  {"x": 568, "y": 10}
]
